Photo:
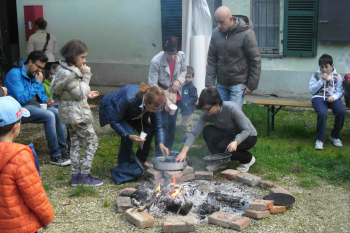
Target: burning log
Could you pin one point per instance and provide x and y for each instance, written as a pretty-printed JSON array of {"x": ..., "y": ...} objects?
[
  {"x": 206, "y": 208},
  {"x": 140, "y": 195},
  {"x": 177, "y": 206},
  {"x": 225, "y": 200},
  {"x": 147, "y": 206}
]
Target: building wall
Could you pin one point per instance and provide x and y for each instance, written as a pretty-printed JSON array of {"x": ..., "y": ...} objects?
[
  {"x": 122, "y": 35},
  {"x": 289, "y": 76}
]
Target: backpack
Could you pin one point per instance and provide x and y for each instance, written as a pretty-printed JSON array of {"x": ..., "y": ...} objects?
[{"x": 346, "y": 87}]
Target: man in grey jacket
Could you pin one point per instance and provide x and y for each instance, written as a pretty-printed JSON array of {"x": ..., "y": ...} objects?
[{"x": 234, "y": 60}]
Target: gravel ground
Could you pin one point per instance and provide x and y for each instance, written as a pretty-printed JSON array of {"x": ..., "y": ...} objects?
[{"x": 320, "y": 209}]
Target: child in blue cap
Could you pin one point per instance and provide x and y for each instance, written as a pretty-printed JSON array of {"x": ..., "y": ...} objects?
[{"x": 24, "y": 206}]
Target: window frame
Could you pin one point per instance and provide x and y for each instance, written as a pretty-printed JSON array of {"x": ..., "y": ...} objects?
[{"x": 279, "y": 36}]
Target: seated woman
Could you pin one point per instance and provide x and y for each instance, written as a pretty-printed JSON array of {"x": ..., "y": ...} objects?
[
  {"x": 130, "y": 109},
  {"x": 232, "y": 130}
]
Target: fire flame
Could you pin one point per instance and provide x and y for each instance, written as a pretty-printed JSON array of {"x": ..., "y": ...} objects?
[
  {"x": 177, "y": 191},
  {"x": 157, "y": 191},
  {"x": 174, "y": 181}
]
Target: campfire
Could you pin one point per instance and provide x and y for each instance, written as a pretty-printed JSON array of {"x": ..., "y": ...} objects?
[{"x": 185, "y": 196}]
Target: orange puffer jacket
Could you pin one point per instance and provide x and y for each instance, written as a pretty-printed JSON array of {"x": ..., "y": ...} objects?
[{"x": 24, "y": 206}]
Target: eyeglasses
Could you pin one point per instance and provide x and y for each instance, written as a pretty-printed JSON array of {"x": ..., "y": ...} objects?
[
  {"x": 40, "y": 67},
  {"x": 207, "y": 109}
]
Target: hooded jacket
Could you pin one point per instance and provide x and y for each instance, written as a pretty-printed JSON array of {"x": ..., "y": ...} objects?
[
  {"x": 24, "y": 206},
  {"x": 159, "y": 71},
  {"x": 73, "y": 87},
  {"x": 21, "y": 87},
  {"x": 124, "y": 105},
  {"x": 322, "y": 88},
  {"x": 234, "y": 56}
]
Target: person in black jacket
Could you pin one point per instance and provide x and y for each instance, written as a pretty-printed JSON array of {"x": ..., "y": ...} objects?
[
  {"x": 188, "y": 102},
  {"x": 234, "y": 60},
  {"x": 129, "y": 109}
]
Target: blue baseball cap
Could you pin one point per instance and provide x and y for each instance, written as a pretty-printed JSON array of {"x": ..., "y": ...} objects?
[{"x": 11, "y": 111}]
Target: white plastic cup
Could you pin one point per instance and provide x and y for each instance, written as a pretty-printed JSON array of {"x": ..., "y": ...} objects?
[
  {"x": 143, "y": 135},
  {"x": 173, "y": 109},
  {"x": 43, "y": 106}
]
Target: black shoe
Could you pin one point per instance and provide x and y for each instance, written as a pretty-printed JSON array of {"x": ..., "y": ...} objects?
[
  {"x": 66, "y": 155},
  {"x": 58, "y": 160}
]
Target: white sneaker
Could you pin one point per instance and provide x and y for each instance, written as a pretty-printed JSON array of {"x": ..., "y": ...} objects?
[
  {"x": 336, "y": 142},
  {"x": 319, "y": 145},
  {"x": 244, "y": 167}
]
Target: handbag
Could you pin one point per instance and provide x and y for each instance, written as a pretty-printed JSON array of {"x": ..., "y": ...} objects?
[
  {"x": 47, "y": 42},
  {"x": 128, "y": 171}
]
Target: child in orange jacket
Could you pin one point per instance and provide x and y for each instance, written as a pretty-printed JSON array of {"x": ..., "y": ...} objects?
[{"x": 24, "y": 206}]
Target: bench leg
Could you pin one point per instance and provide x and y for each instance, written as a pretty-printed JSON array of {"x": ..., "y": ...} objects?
[
  {"x": 273, "y": 118},
  {"x": 268, "y": 119}
]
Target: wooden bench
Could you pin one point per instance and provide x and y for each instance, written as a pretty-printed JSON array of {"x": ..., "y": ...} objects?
[
  {"x": 244, "y": 103},
  {"x": 270, "y": 104}
]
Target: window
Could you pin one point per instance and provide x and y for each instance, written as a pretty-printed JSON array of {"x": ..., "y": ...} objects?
[
  {"x": 171, "y": 18},
  {"x": 213, "y": 6},
  {"x": 266, "y": 20},
  {"x": 300, "y": 27}
]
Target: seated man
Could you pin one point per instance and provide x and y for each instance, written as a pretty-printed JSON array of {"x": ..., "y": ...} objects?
[{"x": 24, "y": 83}]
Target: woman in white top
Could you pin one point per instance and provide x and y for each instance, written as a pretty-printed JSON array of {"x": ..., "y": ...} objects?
[{"x": 38, "y": 40}]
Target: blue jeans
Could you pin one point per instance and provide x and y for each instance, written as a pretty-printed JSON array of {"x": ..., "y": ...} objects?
[
  {"x": 321, "y": 108},
  {"x": 68, "y": 141},
  {"x": 125, "y": 145},
  {"x": 231, "y": 93},
  {"x": 54, "y": 129}
]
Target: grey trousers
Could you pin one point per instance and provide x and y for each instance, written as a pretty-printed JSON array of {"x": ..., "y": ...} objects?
[{"x": 79, "y": 133}]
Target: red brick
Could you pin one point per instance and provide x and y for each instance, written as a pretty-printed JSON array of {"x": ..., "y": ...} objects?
[
  {"x": 154, "y": 173},
  {"x": 229, "y": 220},
  {"x": 277, "y": 209},
  {"x": 188, "y": 170},
  {"x": 180, "y": 224},
  {"x": 248, "y": 179},
  {"x": 257, "y": 214},
  {"x": 204, "y": 175},
  {"x": 127, "y": 192},
  {"x": 123, "y": 203},
  {"x": 230, "y": 174},
  {"x": 266, "y": 184},
  {"x": 140, "y": 219},
  {"x": 188, "y": 177},
  {"x": 279, "y": 190},
  {"x": 172, "y": 174},
  {"x": 261, "y": 205}
]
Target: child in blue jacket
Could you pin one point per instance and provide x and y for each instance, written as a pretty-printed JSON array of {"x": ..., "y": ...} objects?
[{"x": 188, "y": 101}]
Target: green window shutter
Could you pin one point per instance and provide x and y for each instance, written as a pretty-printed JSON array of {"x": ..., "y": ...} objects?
[
  {"x": 300, "y": 27},
  {"x": 171, "y": 18}
]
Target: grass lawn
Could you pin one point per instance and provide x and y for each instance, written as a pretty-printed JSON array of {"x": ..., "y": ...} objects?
[
  {"x": 318, "y": 179},
  {"x": 288, "y": 150}
]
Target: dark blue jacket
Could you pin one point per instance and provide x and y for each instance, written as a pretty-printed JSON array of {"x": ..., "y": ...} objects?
[
  {"x": 188, "y": 99},
  {"x": 124, "y": 105},
  {"x": 21, "y": 87}
]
